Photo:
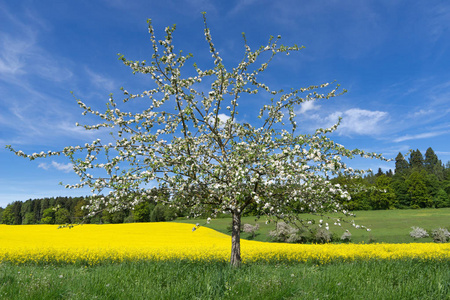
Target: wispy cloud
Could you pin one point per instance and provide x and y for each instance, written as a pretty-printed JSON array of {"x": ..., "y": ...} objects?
[
  {"x": 32, "y": 78},
  {"x": 20, "y": 55},
  {"x": 66, "y": 168},
  {"x": 438, "y": 16},
  {"x": 41, "y": 119},
  {"x": 242, "y": 5},
  {"x": 100, "y": 81},
  {"x": 420, "y": 136},
  {"x": 12, "y": 52},
  {"x": 422, "y": 113},
  {"x": 443, "y": 153},
  {"x": 21, "y": 52}
]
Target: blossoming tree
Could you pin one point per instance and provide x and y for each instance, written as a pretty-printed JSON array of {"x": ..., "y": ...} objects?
[{"x": 192, "y": 143}]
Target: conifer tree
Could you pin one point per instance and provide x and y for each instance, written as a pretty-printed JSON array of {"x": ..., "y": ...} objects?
[
  {"x": 431, "y": 160},
  {"x": 433, "y": 165},
  {"x": 379, "y": 173},
  {"x": 416, "y": 160},
  {"x": 401, "y": 165}
]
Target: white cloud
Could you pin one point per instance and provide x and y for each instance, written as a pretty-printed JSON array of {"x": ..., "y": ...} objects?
[
  {"x": 11, "y": 55},
  {"x": 58, "y": 166},
  {"x": 100, "y": 81},
  {"x": 21, "y": 52},
  {"x": 422, "y": 113},
  {"x": 359, "y": 121},
  {"x": 307, "y": 106},
  {"x": 43, "y": 166},
  {"x": 222, "y": 120},
  {"x": 442, "y": 152},
  {"x": 438, "y": 20},
  {"x": 419, "y": 136}
]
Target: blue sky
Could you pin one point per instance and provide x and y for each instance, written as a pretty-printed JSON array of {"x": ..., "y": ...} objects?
[{"x": 393, "y": 57}]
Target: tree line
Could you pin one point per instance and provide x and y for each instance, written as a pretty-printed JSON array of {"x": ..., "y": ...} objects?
[
  {"x": 67, "y": 210},
  {"x": 418, "y": 181}
]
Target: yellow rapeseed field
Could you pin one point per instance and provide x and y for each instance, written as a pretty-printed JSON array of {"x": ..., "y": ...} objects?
[{"x": 164, "y": 241}]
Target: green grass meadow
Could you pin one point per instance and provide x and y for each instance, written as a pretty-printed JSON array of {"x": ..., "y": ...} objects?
[
  {"x": 387, "y": 226},
  {"x": 373, "y": 279},
  {"x": 185, "y": 280}
]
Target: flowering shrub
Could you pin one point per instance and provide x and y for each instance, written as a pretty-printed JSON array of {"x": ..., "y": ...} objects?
[
  {"x": 346, "y": 236},
  {"x": 322, "y": 236},
  {"x": 93, "y": 244},
  {"x": 418, "y": 233},
  {"x": 440, "y": 235},
  {"x": 248, "y": 228},
  {"x": 286, "y": 233}
]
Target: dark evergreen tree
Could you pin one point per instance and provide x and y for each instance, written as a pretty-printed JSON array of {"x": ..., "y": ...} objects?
[
  {"x": 370, "y": 178},
  {"x": 26, "y": 212},
  {"x": 416, "y": 160},
  {"x": 52, "y": 202},
  {"x": 431, "y": 160},
  {"x": 433, "y": 165},
  {"x": 401, "y": 165},
  {"x": 17, "y": 207},
  {"x": 37, "y": 210},
  {"x": 379, "y": 173},
  {"x": 72, "y": 203},
  {"x": 44, "y": 205}
]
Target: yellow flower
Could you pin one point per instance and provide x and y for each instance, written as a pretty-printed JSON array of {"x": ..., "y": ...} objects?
[{"x": 92, "y": 244}]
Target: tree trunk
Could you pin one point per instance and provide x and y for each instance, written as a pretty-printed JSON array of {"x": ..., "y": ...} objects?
[{"x": 236, "y": 239}]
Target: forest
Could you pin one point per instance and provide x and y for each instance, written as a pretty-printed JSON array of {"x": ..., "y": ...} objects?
[{"x": 418, "y": 181}]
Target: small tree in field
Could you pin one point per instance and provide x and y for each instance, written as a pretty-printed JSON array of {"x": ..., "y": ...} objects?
[{"x": 191, "y": 142}]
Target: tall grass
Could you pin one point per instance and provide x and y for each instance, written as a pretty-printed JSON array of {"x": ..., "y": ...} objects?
[{"x": 375, "y": 279}]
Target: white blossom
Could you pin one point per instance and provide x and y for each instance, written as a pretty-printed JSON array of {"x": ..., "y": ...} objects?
[{"x": 193, "y": 143}]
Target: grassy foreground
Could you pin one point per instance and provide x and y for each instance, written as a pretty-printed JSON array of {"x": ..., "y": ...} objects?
[{"x": 374, "y": 279}]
